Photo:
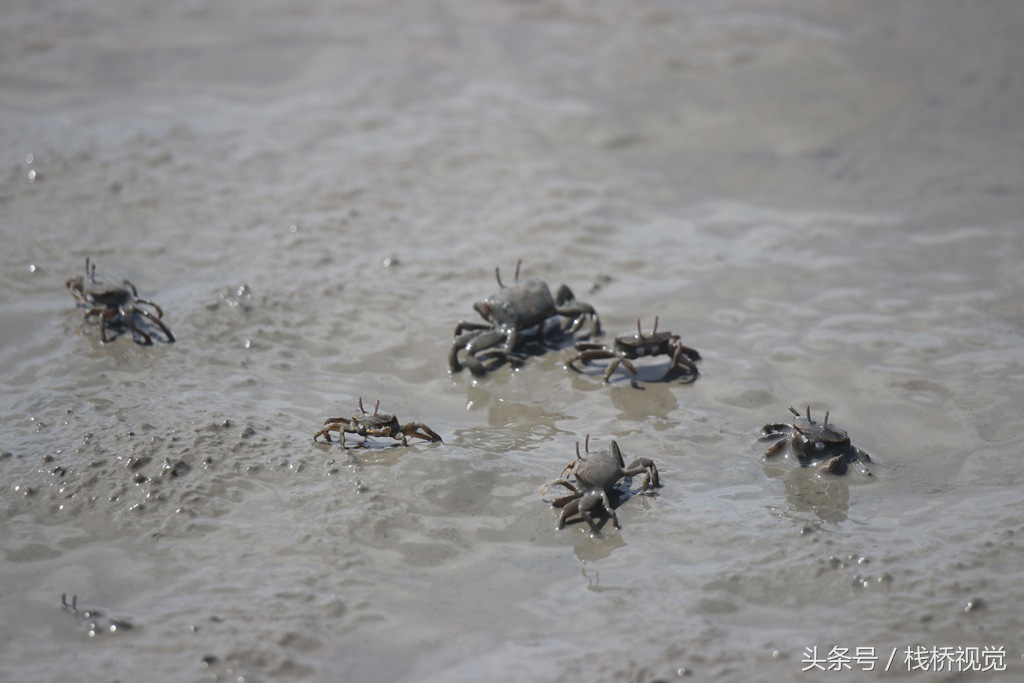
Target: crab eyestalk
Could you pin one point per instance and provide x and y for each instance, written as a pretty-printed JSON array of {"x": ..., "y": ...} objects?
[
  {"x": 497, "y": 273},
  {"x": 640, "y": 332},
  {"x": 571, "y": 466}
]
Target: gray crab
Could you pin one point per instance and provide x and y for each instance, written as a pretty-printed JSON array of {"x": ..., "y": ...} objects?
[
  {"x": 813, "y": 442},
  {"x": 629, "y": 347},
  {"x": 115, "y": 303},
  {"x": 95, "y": 622},
  {"x": 364, "y": 424},
  {"x": 509, "y": 312},
  {"x": 596, "y": 474}
]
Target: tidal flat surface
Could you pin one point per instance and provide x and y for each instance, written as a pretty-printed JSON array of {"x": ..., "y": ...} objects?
[{"x": 824, "y": 199}]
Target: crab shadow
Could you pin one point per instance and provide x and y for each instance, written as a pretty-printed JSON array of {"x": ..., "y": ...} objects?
[
  {"x": 824, "y": 495},
  {"x": 369, "y": 451},
  {"x": 593, "y": 548}
]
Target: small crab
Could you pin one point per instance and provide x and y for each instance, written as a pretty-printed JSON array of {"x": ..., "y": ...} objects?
[
  {"x": 95, "y": 622},
  {"x": 813, "y": 442},
  {"x": 632, "y": 346},
  {"x": 596, "y": 474},
  {"x": 376, "y": 423},
  {"x": 114, "y": 303},
  {"x": 509, "y": 312}
]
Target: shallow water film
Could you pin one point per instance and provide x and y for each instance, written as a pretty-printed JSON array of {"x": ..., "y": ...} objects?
[{"x": 824, "y": 199}]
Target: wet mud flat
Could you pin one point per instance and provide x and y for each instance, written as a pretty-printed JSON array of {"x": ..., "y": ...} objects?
[{"x": 825, "y": 202}]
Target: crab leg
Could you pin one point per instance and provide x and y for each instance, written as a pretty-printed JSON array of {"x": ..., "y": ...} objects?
[
  {"x": 464, "y": 325},
  {"x": 104, "y": 317},
  {"x": 94, "y": 313},
  {"x": 583, "y": 505},
  {"x": 641, "y": 465},
  {"x": 591, "y": 346},
  {"x": 580, "y": 312},
  {"x": 384, "y": 431},
  {"x": 601, "y": 354},
  {"x": 564, "y": 500},
  {"x": 774, "y": 430},
  {"x": 335, "y": 424},
  {"x": 419, "y": 431},
  {"x": 159, "y": 311},
  {"x": 681, "y": 358},
  {"x": 568, "y": 511},
  {"x": 130, "y": 323},
  {"x": 615, "y": 364},
  {"x": 156, "y": 320},
  {"x": 861, "y": 458},
  {"x": 474, "y": 342},
  {"x": 498, "y": 357},
  {"x": 135, "y": 294},
  {"x": 561, "y": 482},
  {"x": 777, "y": 448},
  {"x": 589, "y": 351},
  {"x": 691, "y": 353},
  {"x": 587, "y": 503},
  {"x": 498, "y": 344}
]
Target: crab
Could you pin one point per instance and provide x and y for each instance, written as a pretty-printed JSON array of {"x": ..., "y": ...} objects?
[
  {"x": 366, "y": 424},
  {"x": 115, "y": 303},
  {"x": 632, "y": 346},
  {"x": 95, "y": 622},
  {"x": 509, "y": 312},
  {"x": 813, "y": 442},
  {"x": 596, "y": 474}
]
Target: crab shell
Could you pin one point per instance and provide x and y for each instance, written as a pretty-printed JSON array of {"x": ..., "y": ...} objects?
[
  {"x": 99, "y": 291},
  {"x": 376, "y": 420},
  {"x": 600, "y": 471},
  {"x": 814, "y": 440},
  {"x": 644, "y": 344},
  {"x": 523, "y": 305}
]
